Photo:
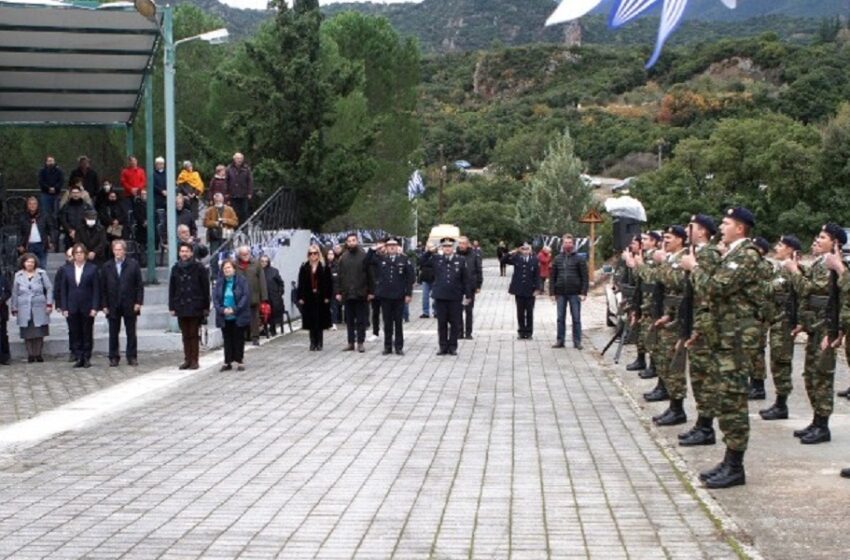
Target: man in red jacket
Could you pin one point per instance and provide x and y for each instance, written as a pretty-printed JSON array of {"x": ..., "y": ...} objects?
[{"x": 133, "y": 178}]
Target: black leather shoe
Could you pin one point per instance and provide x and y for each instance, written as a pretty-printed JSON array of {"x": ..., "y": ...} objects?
[
  {"x": 361, "y": 348},
  {"x": 845, "y": 473},
  {"x": 818, "y": 434},
  {"x": 731, "y": 474},
  {"x": 399, "y": 352},
  {"x": 349, "y": 348},
  {"x": 78, "y": 364},
  {"x": 39, "y": 359},
  {"x": 184, "y": 365},
  {"x": 845, "y": 393},
  {"x": 424, "y": 316},
  {"x": 775, "y": 412},
  {"x": 469, "y": 337},
  {"x": 226, "y": 367},
  {"x": 648, "y": 373},
  {"x": 86, "y": 363},
  {"x": 30, "y": 359},
  {"x": 672, "y": 418},
  {"x": 558, "y": 345},
  {"x": 387, "y": 352},
  {"x": 638, "y": 365},
  {"x": 460, "y": 336},
  {"x": 452, "y": 352},
  {"x": 132, "y": 361},
  {"x": 442, "y": 352},
  {"x": 113, "y": 362},
  {"x": 656, "y": 395},
  {"x": 701, "y": 436}
]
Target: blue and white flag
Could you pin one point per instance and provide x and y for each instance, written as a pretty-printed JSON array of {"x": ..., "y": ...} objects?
[{"x": 415, "y": 186}]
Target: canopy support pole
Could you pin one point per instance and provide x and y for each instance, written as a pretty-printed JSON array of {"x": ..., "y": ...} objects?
[{"x": 150, "y": 242}]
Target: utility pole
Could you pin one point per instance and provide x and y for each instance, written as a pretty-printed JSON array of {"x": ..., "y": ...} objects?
[{"x": 440, "y": 199}]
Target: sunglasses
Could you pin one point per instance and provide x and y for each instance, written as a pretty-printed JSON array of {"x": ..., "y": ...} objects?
[{"x": 312, "y": 252}]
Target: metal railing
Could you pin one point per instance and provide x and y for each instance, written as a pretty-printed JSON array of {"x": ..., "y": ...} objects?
[{"x": 278, "y": 212}]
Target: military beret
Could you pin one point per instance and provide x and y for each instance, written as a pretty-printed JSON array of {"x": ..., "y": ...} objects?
[
  {"x": 678, "y": 231},
  {"x": 762, "y": 244},
  {"x": 655, "y": 235},
  {"x": 836, "y": 232},
  {"x": 741, "y": 214},
  {"x": 705, "y": 221},
  {"x": 447, "y": 241},
  {"x": 791, "y": 241}
]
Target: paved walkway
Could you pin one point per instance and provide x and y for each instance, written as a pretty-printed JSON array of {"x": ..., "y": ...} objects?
[{"x": 510, "y": 450}]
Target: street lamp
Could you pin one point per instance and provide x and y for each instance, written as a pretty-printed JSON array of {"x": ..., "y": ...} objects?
[{"x": 148, "y": 9}]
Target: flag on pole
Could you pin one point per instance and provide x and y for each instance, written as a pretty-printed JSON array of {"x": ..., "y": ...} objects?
[{"x": 415, "y": 186}]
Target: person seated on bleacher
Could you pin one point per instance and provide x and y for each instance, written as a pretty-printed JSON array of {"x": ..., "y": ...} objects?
[
  {"x": 72, "y": 213},
  {"x": 184, "y": 215},
  {"x": 199, "y": 250},
  {"x": 114, "y": 218},
  {"x": 93, "y": 236},
  {"x": 35, "y": 231}
]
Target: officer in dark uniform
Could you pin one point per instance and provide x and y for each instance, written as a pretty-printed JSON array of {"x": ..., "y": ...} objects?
[
  {"x": 394, "y": 277},
  {"x": 525, "y": 284},
  {"x": 451, "y": 288}
]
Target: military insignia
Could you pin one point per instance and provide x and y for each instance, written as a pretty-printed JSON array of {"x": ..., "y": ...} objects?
[{"x": 733, "y": 266}]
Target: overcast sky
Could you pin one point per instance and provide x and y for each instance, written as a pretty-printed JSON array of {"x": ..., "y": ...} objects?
[{"x": 261, "y": 4}]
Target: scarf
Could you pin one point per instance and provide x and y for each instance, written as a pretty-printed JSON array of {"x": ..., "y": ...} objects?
[{"x": 191, "y": 178}]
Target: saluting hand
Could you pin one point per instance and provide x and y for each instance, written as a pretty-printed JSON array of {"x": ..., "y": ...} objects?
[
  {"x": 834, "y": 262},
  {"x": 688, "y": 262}
]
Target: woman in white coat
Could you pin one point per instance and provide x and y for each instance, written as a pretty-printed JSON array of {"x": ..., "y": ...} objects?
[{"x": 32, "y": 303}]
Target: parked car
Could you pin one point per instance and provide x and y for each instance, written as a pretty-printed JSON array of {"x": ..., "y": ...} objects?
[
  {"x": 462, "y": 164},
  {"x": 625, "y": 184},
  {"x": 591, "y": 181}
]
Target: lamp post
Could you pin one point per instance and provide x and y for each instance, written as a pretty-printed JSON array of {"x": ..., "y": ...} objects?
[{"x": 148, "y": 8}]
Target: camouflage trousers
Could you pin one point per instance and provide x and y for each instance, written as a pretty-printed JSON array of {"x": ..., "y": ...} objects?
[
  {"x": 732, "y": 382},
  {"x": 759, "y": 365},
  {"x": 781, "y": 356},
  {"x": 819, "y": 374},
  {"x": 644, "y": 329},
  {"x": 676, "y": 382},
  {"x": 637, "y": 336},
  {"x": 701, "y": 367}
]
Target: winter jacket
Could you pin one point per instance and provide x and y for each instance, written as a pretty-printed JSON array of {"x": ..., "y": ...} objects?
[
  {"x": 355, "y": 279},
  {"x": 426, "y": 268},
  {"x": 256, "y": 278},
  {"x": 160, "y": 185},
  {"x": 184, "y": 218},
  {"x": 473, "y": 267},
  {"x": 72, "y": 215},
  {"x": 30, "y": 298},
  {"x": 315, "y": 312},
  {"x": 214, "y": 228},
  {"x": 189, "y": 289},
  {"x": 545, "y": 260},
  {"x": 51, "y": 178},
  {"x": 240, "y": 181},
  {"x": 133, "y": 178},
  {"x": 568, "y": 275},
  {"x": 242, "y": 295},
  {"x": 90, "y": 181},
  {"x": 526, "y": 276},
  {"x": 43, "y": 222},
  {"x": 94, "y": 238},
  {"x": 217, "y": 185}
]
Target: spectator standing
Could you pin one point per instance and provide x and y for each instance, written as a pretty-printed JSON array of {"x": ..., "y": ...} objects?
[
  {"x": 80, "y": 302},
  {"x": 123, "y": 296},
  {"x": 5, "y": 294},
  {"x": 332, "y": 262},
  {"x": 315, "y": 290},
  {"x": 102, "y": 196},
  {"x": 191, "y": 186},
  {"x": 426, "y": 280},
  {"x": 501, "y": 251},
  {"x": 58, "y": 282},
  {"x": 232, "y": 302},
  {"x": 93, "y": 237},
  {"x": 251, "y": 271},
  {"x": 140, "y": 225},
  {"x": 51, "y": 179},
  {"x": 184, "y": 215},
  {"x": 72, "y": 215},
  {"x": 240, "y": 187},
  {"x": 393, "y": 288},
  {"x": 525, "y": 283},
  {"x": 374, "y": 300},
  {"x": 218, "y": 184},
  {"x": 354, "y": 285},
  {"x": 133, "y": 178},
  {"x": 160, "y": 184},
  {"x": 544, "y": 257},
  {"x": 451, "y": 287},
  {"x": 31, "y": 302},
  {"x": 475, "y": 274},
  {"x": 276, "y": 288},
  {"x": 86, "y": 176},
  {"x": 189, "y": 301},
  {"x": 35, "y": 231},
  {"x": 568, "y": 284},
  {"x": 199, "y": 250},
  {"x": 220, "y": 222}
]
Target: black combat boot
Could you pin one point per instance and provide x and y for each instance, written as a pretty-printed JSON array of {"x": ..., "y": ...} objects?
[
  {"x": 649, "y": 372},
  {"x": 703, "y": 433},
  {"x": 800, "y": 433},
  {"x": 658, "y": 394},
  {"x": 819, "y": 432},
  {"x": 845, "y": 393},
  {"x": 705, "y": 475},
  {"x": 731, "y": 474},
  {"x": 673, "y": 416},
  {"x": 779, "y": 410},
  {"x": 639, "y": 364},
  {"x": 845, "y": 473},
  {"x": 756, "y": 390}
]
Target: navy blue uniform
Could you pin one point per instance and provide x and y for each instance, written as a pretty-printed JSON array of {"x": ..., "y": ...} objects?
[
  {"x": 524, "y": 283},
  {"x": 451, "y": 285},
  {"x": 394, "y": 277}
]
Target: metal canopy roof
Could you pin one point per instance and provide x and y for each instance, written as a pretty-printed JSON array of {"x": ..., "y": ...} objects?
[{"x": 65, "y": 63}]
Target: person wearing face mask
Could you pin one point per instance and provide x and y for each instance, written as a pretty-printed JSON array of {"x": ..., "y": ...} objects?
[
  {"x": 220, "y": 221},
  {"x": 113, "y": 217},
  {"x": 72, "y": 214},
  {"x": 93, "y": 236},
  {"x": 102, "y": 197}
]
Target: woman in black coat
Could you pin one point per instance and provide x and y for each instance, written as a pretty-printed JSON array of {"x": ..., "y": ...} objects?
[
  {"x": 276, "y": 289},
  {"x": 189, "y": 301},
  {"x": 315, "y": 290}
]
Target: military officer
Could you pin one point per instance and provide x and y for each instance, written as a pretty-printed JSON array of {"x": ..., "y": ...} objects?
[
  {"x": 672, "y": 277},
  {"x": 780, "y": 337},
  {"x": 702, "y": 370},
  {"x": 394, "y": 277},
  {"x": 525, "y": 285},
  {"x": 736, "y": 313},
  {"x": 451, "y": 288},
  {"x": 813, "y": 287}
]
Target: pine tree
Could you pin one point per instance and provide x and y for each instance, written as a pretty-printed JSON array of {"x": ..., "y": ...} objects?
[{"x": 555, "y": 197}]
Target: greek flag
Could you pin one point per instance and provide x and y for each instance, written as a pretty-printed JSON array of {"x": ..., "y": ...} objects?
[{"x": 415, "y": 186}]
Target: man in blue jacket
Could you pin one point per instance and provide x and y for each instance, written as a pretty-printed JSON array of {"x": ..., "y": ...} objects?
[
  {"x": 80, "y": 302},
  {"x": 452, "y": 287},
  {"x": 394, "y": 278},
  {"x": 51, "y": 179},
  {"x": 525, "y": 283}
]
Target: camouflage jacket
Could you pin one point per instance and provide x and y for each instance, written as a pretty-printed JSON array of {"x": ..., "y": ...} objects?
[
  {"x": 781, "y": 289},
  {"x": 646, "y": 274},
  {"x": 734, "y": 291},
  {"x": 673, "y": 277},
  {"x": 708, "y": 257},
  {"x": 812, "y": 283},
  {"x": 844, "y": 287}
]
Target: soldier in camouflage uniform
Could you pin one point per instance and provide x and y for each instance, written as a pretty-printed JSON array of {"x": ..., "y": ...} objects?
[
  {"x": 813, "y": 288},
  {"x": 672, "y": 277},
  {"x": 729, "y": 290},
  {"x": 844, "y": 285},
  {"x": 701, "y": 364},
  {"x": 644, "y": 265},
  {"x": 629, "y": 277},
  {"x": 781, "y": 339},
  {"x": 759, "y": 374}
]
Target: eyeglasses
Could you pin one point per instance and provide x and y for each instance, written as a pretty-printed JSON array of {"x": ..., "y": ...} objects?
[{"x": 312, "y": 252}]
